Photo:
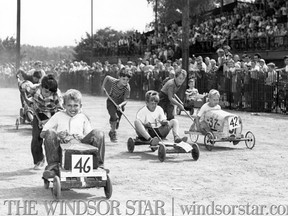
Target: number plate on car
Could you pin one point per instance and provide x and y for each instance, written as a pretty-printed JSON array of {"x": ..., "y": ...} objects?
[{"x": 82, "y": 164}]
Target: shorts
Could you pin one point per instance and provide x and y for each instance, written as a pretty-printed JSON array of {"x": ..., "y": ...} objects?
[{"x": 162, "y": 131}]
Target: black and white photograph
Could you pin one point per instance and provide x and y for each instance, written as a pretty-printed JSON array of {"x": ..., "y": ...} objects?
[{"x": 143, "y": 107}]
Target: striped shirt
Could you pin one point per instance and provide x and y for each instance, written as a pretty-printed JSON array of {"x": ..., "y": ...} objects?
[
  {"x": 46, "y": 105},
  {"x": 116, "y": 93}
]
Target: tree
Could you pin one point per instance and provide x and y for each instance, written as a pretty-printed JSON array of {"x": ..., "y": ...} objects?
[
  {"x": 8, "y": 50},
  {"x": 100, "y": 39}
]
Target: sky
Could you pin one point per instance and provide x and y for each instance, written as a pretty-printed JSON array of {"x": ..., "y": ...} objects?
[{"x": 52, "y": 23}]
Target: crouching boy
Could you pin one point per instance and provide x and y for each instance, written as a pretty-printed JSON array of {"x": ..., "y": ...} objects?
[
  {"x": 151, "y": 119},
  {"x": 68, "y": 126},
  {"x": 212, "y": 104}
]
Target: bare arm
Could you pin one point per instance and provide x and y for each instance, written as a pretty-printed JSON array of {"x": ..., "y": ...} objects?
[
  {"x": 104, "y": 82},
  {"x": 173, "y": 100}
]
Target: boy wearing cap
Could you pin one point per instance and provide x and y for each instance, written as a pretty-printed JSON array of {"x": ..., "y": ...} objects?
[
  {"x": 119, "y": 92},
  {"x": 46, "y": 102}
]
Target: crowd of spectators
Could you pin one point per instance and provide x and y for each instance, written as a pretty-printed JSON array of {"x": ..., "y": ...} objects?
[
  {"x": 245, "y": 82},
  {"x": 248, "y": 25}
]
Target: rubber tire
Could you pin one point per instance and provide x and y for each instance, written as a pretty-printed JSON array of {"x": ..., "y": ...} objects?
[
  {"x": 17, "y": 123},
  {"x": 195, "y": 153},
  {"x": 161, "y": 152},
  {"x": 29, "y": 116},
  {"x": 207, "y": 140},
  {"x": 22, "y": 116},
  {"x": 108, "y": 189},
  {"x": 56, "y": 190},
  {"x": 131, "y": 145},
  {"x": 249, "y": 134}
]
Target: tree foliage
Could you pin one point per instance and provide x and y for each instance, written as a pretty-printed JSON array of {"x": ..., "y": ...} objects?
[
  {"x": 56, "y": 54},
  {"x": 28, "y": 52},
  {"x": 83, "y": 50},
  {"x": 7, "y": 50}
]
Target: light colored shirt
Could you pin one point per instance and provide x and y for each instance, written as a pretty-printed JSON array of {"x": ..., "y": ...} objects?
[
  {"x": 154, "y": 118},
  {"x": 61, "y": 121},
  {"x": 205, "y": 108}
]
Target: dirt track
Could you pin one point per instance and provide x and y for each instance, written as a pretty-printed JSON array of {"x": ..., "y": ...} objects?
[{"x": 228, "y": 175}]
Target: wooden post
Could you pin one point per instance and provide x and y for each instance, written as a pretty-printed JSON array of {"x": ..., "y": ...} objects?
[
  {"x": 18, "y": 35},
  {"x": 185, "y": 45},
  {"x": 156, "y": 18},
  {"x": 92, "y": 38}
]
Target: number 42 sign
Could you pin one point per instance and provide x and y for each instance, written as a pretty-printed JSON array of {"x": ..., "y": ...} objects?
[{"x": 82, "y": 164}]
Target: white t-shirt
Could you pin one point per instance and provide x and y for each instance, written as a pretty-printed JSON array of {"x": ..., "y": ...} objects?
[
  {"x": 205, "y": 108},
  {"x": 61, "y": 121},
  {"x": 154, "y": 118}
]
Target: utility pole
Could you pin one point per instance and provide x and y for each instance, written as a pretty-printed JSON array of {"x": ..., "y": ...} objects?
[
  {"x": 18, "y": 34},
  {"x": 185, "y": 45},
  {"x": 185, "y": 36},
  {"x": 92, "y": 37},
  {"x": 156, "y": 17}
]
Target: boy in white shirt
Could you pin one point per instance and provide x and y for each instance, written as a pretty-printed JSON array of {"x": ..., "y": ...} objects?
[
  {"x": 151, "y": 119},
  {"x": 67, "y": 126},
  {"x": 212, "y": 104}
]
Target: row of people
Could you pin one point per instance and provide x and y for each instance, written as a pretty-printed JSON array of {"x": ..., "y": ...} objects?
[{"x": 242, "y": 81}]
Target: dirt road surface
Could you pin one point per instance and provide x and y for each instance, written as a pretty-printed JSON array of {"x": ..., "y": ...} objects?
[{"x": 229, "y": 180}]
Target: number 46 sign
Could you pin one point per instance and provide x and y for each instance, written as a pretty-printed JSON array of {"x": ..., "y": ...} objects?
[{"x": 82, "y": 164}]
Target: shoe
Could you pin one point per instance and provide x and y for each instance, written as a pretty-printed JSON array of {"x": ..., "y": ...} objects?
[
  {"x": 154, "y": 141},
  {"x": 49, "y": 174},
  {"x": 40, "y": 164},
  {"x": 177, "y": 139},
  {"x": 113, "y": 136}
]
